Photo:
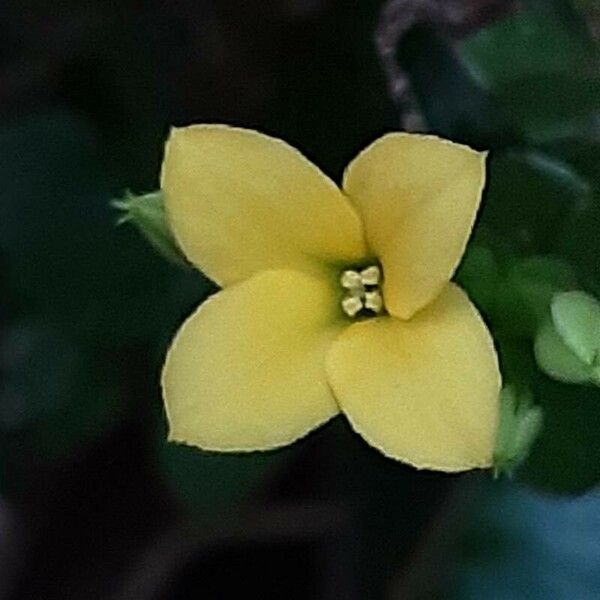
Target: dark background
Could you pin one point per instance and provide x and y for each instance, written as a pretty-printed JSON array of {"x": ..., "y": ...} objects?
[{"x": 93, "y": 502}]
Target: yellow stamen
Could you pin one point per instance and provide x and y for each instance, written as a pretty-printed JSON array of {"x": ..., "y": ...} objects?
[
  {"x": 362, "y": 291},
  {"x": 351, "y": 280},
  {"x": 370, "y": 275},
  {"x": 374, "y": 301},
  {"x": 352, "y": 305}
]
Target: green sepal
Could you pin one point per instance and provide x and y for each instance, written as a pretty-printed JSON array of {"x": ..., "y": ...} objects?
[
  {"x": 514, "y": 294},
  {"x": 520, "y": 424},
  {"x": 147, "y": 213},
  {"x": 557, "y": 360},
  {"x": 576, "y": 317}
]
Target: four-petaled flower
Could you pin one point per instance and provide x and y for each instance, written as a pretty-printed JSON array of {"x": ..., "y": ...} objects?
[{"x": 333, "y": 300}]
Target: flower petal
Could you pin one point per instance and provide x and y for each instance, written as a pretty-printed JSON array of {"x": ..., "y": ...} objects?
[
  {"x": 423, "y": 391},
  {"x": 247, "y": 370},
  {"x": 240, "y": 202},
  {"x": 418, "y": 196}
]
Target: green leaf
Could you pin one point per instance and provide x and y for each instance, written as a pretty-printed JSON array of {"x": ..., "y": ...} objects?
[
  {"x": 517, "y": 361},
  {"x": 514, "y": 294},
  {"x": 582, "y": 153},
  {"x": 65, "y": 257},
  {"x": 452, "y": 101},
  {"x": 576, "y": 317},
  {"x": 580, "y": 243},
  {"x": 479, "y": 275},
  {"x": 548, "y": 107},
  {"x": 522, "y": 186},
  {"x": 527, "y": 44},
  {"x": 544, "y": 270},
  {"x": 557, "y": 360},
  {"x": 528, "y": 289},
  {"x": 55, "y": 399},
  {"x": 147, "y": 213},
  {"x": 539, "y": 66},
  {"x": 520, "y": 424}
]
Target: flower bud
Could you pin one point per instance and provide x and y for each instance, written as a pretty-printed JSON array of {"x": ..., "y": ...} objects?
[
  {"x": 567, "y": 347},
  {"x": 520, "y": 424},
  {"x": 147, "y": 213}
]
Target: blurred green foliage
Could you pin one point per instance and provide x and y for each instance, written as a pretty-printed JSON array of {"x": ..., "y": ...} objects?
[
  {"x": 540, "y": 68},
  {"x": 526, "y": 88},
  {"x": 86, "y": 295}
]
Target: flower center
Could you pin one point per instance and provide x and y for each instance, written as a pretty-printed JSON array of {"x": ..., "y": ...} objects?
[{"x": 362, "y": 296}]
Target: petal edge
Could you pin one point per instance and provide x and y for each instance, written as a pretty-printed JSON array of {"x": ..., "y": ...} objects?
[
  {"x": 428, "y": 393},
  {"x": 418, "y": 196},
  {"x": 240, "y": 202},
  {"x": 247, "y": 370}
]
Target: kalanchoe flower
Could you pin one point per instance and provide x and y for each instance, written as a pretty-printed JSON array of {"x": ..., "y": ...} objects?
[{"x": 333, "y": 300}]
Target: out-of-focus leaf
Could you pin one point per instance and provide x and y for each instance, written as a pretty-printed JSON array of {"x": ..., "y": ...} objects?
[
  {"x": 479, "y": 275},
  {"x": 529, "y": 198},
  {"x": 64, "y": 254},
  {"x": 453, "y": 103},
  {"x": 54, "y": 399},
  {"x": 585, "y": 4},
  {"x": 579, "y": 242},
  {"x": 520, "y": 424},
  {"x": 570, "y": 16},
  {"x": 582, "y": 153},
  {"x": 544, "y": 270},
  {"x": 557, "y": 360},
  {"x": 517, "y": 361},
  {"x": 576, "y": 317},
  {"x": 210, "y": 483},
  {"x": 566, "y": 455},
  {"x": 552, "y": 106},
  {"x": 513, "y": 293},
  {"x": 537, "y": 64},
  {"x": 524, "y": 297},
  {"x": 528, "y": 44}
]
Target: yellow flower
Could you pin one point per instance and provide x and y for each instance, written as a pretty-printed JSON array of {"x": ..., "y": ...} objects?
[{"x": 333, "y": 300}]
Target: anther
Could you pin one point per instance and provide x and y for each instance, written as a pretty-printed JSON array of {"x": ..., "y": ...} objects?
[
  {"x": 370, "y": 275},
  {"x": 351, "y": 280},
  {"x": 352, "y": 305},
  {"x": 362, "y": 296},
  {"x": 374, "y": 301}
]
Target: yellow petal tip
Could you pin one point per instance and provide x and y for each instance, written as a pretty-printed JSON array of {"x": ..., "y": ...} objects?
[{"x": 428, "y": 393}]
